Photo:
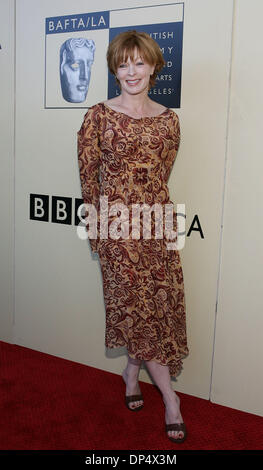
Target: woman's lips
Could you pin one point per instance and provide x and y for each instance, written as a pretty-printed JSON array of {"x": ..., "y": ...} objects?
[{"x": 133, "y": 82}]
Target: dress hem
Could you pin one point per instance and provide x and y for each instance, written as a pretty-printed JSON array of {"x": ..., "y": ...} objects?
[{"x": 173, "y": 370}]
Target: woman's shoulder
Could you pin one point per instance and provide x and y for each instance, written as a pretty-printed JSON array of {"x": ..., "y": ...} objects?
[
  {"x": 175, "y": 124},
  {"x": 164, "y": 111},
  {"x": 93, "y": 113},
  {"x": 174, "y": 114},
  {"x": 158, "y": 108},
  {"x": 94, "y": 108}
]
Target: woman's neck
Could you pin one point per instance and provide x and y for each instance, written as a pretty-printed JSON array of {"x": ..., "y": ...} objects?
[{"x": 139, "y": 103}]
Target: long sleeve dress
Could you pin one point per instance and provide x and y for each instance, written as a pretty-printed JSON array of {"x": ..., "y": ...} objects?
[{"x": 128, "y": 161}]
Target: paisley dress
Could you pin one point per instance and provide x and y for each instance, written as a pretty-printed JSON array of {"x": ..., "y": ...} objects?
[{"x": 128, "y": 161}]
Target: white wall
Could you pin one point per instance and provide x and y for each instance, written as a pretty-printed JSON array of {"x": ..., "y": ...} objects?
[
  {"x": 59, "y": 307},
  {"x": 59, "y": 296},
  {"x": 237, "y": 372},
  {"x": 7, "y": 168}
]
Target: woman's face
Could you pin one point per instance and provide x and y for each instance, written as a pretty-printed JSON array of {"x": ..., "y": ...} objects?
[{"x": 134, "y": 75}]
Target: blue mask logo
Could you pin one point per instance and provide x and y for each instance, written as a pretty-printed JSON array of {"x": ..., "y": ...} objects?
[{"x": 76, "y": 59}]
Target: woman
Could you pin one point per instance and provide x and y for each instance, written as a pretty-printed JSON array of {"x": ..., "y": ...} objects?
[{"x": 126, "y": 149}]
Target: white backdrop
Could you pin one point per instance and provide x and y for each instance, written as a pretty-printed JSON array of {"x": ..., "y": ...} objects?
[
  {"x": 59, "y": 305},
  {"x": 55, "y": 304},
  {"x": 7, "y": 38},
  {"x": 56, "y": 301},
  {"x": 237, "y": 366}
]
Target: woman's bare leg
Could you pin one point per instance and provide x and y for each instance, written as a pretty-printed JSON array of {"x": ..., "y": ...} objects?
[
  {"x": 130, "y": 376},
  {"x": 162, "y": 379}
]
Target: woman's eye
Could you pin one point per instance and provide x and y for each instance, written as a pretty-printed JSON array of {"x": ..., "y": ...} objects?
[{"x": 139, "y": 63}]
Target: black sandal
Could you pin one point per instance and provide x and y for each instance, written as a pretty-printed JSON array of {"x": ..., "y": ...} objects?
[
  {"x": 130, "y": 398},
  {"x": 176, "y": 427}
]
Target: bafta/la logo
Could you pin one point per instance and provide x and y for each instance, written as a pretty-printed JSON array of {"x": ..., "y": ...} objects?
[{"x": 118, "y": 228}]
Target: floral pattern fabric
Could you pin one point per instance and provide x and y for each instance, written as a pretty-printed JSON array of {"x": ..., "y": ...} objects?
[{"x": 128, "y": 161}]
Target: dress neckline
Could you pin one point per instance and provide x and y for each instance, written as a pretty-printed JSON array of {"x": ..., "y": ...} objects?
[{"x": 136, "y": 119}]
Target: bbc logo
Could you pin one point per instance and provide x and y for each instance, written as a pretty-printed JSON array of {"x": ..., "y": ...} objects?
[{"x": 56, "y": 209}]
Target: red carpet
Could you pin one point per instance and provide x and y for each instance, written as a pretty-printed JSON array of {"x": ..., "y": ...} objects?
[{"x": 55, "y": 404}]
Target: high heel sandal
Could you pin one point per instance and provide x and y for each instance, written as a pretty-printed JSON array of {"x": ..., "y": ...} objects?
[
  {"x": 179, "y": 427},
  {"x": 132, "y": 398}
]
